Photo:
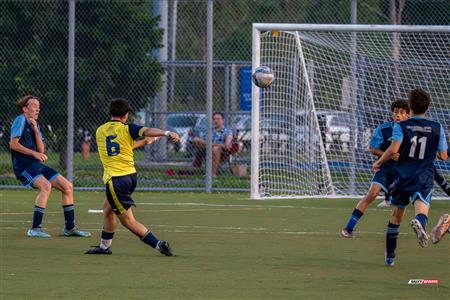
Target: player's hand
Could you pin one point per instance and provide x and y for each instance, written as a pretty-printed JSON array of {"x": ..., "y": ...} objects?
[
  {"x": 376, "y": 166},
  {"x": 40, "y": 156},
  {"x": 33, "y": 123},
  {"x": 174, "y": 137},
  {"x": 395, "y": 156},
  {"x": 150, "y": 140}
]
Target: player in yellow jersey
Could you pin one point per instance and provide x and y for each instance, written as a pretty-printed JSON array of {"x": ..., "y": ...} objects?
[{"x": 116, "y": 141}]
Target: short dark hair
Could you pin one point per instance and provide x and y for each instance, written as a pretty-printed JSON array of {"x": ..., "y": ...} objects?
[
  {"x": 218, "y": 113},
  {"x": 419, "y": 101},
  {"x": 23, "y": 102},
  {"x": 400, "y": 104},
  {"x": 119, "y": 107}
]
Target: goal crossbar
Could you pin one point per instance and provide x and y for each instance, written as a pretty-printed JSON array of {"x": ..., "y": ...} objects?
[{"x": 350, "y": 27}]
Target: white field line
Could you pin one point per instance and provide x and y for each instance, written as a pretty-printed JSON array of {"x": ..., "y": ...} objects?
[
  {"x": 251, "y": 206},
  {"x": 206, "y": 229}
]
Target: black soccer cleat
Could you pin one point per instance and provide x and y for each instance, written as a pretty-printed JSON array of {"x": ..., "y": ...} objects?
[
  {"x": 98, "y": 250},
  {"x": 164, "y": 248}
]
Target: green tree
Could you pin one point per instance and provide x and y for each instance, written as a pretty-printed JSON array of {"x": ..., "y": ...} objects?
[{"x": 114, "y": 42}]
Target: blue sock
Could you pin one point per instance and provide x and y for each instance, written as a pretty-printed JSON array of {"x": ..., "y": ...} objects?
[
  {"x": 69, "y": 216},
  {"x": 38, "y": 216},
  {"x": 422, "y": 219},
  {"x": 150, "y": 239},
  {"x": 356, "y": 215},
  {"x": 391, "y": 239}
]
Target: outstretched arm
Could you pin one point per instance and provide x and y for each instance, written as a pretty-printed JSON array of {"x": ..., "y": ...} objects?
[
  {"x": 155, "y": 132},
  {"x": 144, "y": 142}
]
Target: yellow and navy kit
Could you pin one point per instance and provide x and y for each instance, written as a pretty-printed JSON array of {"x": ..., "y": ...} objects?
[
  {"x": 115, "y": 142},
  {"x": 115, "y": 146}
]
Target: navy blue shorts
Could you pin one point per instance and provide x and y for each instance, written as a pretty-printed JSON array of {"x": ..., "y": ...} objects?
[
  {"x": 384, "y": 178},
  {"x": 402, "y": 198},
  {"x": 118, "y": 192},
  {"x": 30, "y": 173}
]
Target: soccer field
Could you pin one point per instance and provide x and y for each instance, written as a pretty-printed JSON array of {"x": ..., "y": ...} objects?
[{"x": 226, "y": 247}]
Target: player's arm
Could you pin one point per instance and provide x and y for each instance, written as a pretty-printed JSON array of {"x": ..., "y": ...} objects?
[
  {"x": 375, "y": 143},
  {"x": 442, "y": 146},
  {"x": 137, "y": 131},
  {"x": 37, "y": 135},
  {"x": 392, "y": 151},
  {"x": 155, "y": 132},
  {"x": 379, "y": 153},
  {"x": 18, "y": 147},
  {"x": 144, "y": 142},
  {"x": 14, "y": 144},
  {"x": 376, "y": 152}
]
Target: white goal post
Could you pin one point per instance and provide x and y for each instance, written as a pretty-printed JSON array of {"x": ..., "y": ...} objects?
[{"x": 333, "y": 85}]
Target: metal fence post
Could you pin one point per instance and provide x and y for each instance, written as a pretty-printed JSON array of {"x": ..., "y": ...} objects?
[
  {"x": 209, "y": 92},
  {"x": 228, "y": 117},
  {"x": 70, "y": 90},
  {"x": 160, "y": 8},
  {"x": 353, "y": 99}
]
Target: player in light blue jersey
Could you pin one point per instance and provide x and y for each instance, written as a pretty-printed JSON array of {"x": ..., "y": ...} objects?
[
  {"x": 417, "y": 140},
  {"x": 381, "y": 181}
]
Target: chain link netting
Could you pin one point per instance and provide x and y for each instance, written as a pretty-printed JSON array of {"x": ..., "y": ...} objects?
[{"x": 118, "y": 54}]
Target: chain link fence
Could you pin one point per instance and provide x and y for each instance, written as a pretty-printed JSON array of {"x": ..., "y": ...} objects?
[{"x": 119, "y": 53}]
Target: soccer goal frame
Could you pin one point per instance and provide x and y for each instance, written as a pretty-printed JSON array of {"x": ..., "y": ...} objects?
[{"x": 258, "y": 29}]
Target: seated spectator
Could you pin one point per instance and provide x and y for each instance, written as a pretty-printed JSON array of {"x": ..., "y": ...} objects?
[{"x": 222, "y": 144}]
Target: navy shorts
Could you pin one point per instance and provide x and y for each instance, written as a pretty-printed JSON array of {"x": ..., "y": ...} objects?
[
  {"x": 118, "y": 192},
  {"x": 384, "y": 178},
  {"x": 402, "y": 198},
  {"x": 29, "y": 174}
]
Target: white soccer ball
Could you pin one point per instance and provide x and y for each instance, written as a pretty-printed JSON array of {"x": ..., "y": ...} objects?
[{"x": 262, "y": 77}]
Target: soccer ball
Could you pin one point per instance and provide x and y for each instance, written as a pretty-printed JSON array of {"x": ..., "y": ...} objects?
[{"x": 262, "y": 77}]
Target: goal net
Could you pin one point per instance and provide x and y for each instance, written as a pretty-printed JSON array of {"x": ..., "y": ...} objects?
[{"x": 333, "y": 86}]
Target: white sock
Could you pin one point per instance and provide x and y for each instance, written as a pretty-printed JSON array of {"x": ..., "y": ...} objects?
[{"x": 105, "y": 244}]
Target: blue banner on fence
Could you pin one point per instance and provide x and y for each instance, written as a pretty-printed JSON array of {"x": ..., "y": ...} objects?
[{"x": 246, "y": 88}]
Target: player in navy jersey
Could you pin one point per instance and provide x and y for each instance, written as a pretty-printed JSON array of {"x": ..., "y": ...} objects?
[
  {"x": 383, "y": 179},
  {"x": 417, "y": 140},
  {"x": 28, "y": 154},
  {"x": 381, "y": 140}
]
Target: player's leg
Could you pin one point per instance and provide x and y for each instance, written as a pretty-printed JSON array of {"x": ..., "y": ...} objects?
[
  {"x": 399, "y": 200},
  {"x": 440, "y": 180},
  {"x": 360, "y": 209},
  {"x": 385, "y": 203},
  {"x": 385, "y": 181},
  {"x": 419, "y": 223},
  {"x": 66, "y": 188},
  {"x": 441, "y": 228},
  {"x": 118, "y": 195},
  {"x": 127, "y": 220},
  {"x": 392, "y": 232},
  {"x": 45, "y": 188},
  {"x": 109, "y": 228}
]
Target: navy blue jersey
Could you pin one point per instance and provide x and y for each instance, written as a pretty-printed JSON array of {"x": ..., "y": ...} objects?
[
  {"x": 24, "y": 131},
  {"x": 381, "y": 139},
  {"x": 420, "y": 140}
]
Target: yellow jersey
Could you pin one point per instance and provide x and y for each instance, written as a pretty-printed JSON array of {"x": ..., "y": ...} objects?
[{"x": 115, "y": 142}]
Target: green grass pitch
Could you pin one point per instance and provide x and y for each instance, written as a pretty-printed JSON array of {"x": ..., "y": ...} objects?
[{"x": 226, "y": 246}]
